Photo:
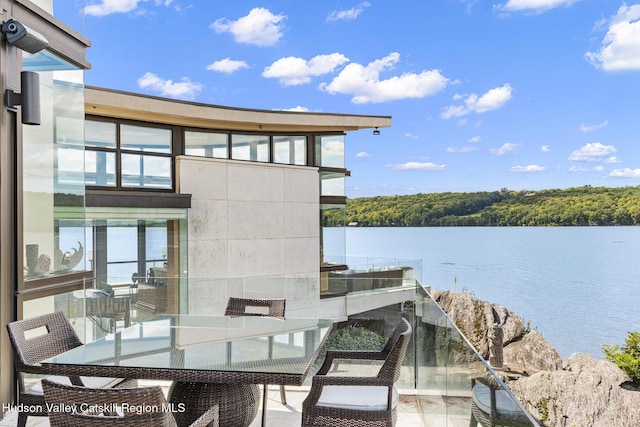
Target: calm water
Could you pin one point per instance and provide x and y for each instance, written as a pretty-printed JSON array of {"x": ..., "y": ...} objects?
[{"x": 579, "y": 286}]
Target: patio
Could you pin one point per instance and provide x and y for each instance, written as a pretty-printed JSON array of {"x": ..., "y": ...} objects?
[{"x": 413, "y": 411}]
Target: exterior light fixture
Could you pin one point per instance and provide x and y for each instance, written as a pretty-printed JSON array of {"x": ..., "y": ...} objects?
[
  {"x": 23, "y": 37},
  {"x": 376, "y": 131},
  {"x": 29, "y": 98}
]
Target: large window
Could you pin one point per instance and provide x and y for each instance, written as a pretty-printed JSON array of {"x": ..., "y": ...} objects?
[
  {"x": 206, "y": 144},
  {"x": 290, "y": 150},
  {"x": 250, "y": 147},
  {"x": 128, "y": 156}
]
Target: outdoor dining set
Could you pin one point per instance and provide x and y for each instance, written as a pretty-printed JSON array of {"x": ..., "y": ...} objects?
[{"x": 217, "y": 365}]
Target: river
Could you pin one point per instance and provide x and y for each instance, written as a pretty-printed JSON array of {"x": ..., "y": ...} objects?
[{"x": 578, "y": 286}]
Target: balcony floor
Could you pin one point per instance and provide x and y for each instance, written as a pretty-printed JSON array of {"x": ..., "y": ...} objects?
[{"x": 413, "y": 411}]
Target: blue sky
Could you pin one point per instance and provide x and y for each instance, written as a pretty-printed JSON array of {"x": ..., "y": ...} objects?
[{"x": 522, "y": 94}]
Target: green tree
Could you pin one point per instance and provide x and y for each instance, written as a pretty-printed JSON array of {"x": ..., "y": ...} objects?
[{"x": 627, "y": 357}]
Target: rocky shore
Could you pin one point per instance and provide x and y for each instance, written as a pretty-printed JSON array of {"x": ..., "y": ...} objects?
[{"x": 580, "y": 391}]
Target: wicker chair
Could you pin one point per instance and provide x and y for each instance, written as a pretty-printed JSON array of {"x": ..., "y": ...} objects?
[
  {"x": 73, "y": 406},
  {"x": 358, "y": 401},
  {"x": 56, "y": 335},
  {"x": 492, "y": 406},
  {"x": 259, "y": 307}
]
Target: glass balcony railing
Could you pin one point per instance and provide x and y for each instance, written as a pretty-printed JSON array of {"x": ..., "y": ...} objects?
[{"x": 451, "y": 383}]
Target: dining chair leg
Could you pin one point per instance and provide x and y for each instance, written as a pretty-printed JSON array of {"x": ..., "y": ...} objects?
[
  {"x": 283, "y": 396},
  {"x": 265, "y": 392}
]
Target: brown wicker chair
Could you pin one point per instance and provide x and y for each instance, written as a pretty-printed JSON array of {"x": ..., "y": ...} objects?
[
  {"x": 55, "y": 335},
  {"x": 358, "y": 401},
  {"x": 73, "y": 406},
  {"x": 492, "y": 406},
  {"x": 259, "y": 307}
]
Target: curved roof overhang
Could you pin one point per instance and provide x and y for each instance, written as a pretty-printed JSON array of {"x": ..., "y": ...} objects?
[{"x": 127, "y": 105}]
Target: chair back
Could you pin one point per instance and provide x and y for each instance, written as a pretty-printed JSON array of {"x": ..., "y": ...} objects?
[
  {"x": 51, "y": 334},
  {"x": 396, "y": 348},
  {"x": 255, "y": 307},
  {"x": 71, "y": 406}
]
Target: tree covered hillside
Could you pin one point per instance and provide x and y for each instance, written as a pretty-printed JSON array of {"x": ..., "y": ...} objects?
[{"x": 572, "y": 206}]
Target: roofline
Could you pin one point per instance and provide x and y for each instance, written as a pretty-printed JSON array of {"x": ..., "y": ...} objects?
[{"x": 135, "y": 106}]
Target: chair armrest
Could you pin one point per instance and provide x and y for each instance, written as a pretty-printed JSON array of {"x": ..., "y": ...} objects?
[
  {"x": 211, "y": 416},
  {"x": 349, "y": 355}
]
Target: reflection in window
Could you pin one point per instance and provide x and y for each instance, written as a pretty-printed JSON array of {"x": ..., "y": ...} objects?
[
  {"x": 146, "y": 171},
  {"x": 330, "y": 151},
  {"x": 100, "y": 168},
  {"x": 100, "y": 134},
  {"x": 156, "y": 140},
  {"x": 250, "y": 147},
  {"x": 206, "y": 144},
  {"x": 332, "y": 184},
  {"x": 290, "y": 150}
]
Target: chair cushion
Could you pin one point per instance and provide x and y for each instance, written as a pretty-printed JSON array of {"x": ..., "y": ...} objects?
[
  {"x": 89, "y": 382},
  {"x": 506, "y": 407},
  {"x": 363, "y": 398}
]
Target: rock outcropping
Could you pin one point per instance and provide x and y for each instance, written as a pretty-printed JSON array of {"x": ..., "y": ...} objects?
[
  {"x": 581, "y": 391},
  {"x": 587, "y": 392}
]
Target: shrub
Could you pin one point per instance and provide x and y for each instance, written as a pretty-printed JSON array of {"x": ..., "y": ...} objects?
[
  {"x": 626, "y": 357},
  {"x": 354, "y": 338}
]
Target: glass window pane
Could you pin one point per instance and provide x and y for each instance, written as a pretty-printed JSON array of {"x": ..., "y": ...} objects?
[
  {"x": 206, "y": 144},
  {"x": 100, "y": 168},
  {"x": 332, "y": 185},
  {"x": 100, "y": 134},
  {"x": 146, "y": 171},
  {"x": 330, "y": 151},
  {"x": 290, "y": 150},
  {"x": 53, "y": 186},
  {"x": 250, "y": 147},
  {"x": 141, "y": 138}
]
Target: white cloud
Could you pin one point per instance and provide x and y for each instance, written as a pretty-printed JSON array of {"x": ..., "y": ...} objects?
[
  {"x": 465, "y": 149},
  {"x": 598, "y": 168},
  {"x": 260, "y": 27},
  {"x": 613, "y": 159},
  {"x": 227, "y": 65},
  {"x": 545, "y": 149},
  {"x": 475, "y": 139},
  {"x": 107, "y": 7},
  {"x": 349, "y": 14},
  {"x": 298, "y": 108},
  {"x": 620, "y": 48},
  {"x": 536, "y": 6},
  {"x": 364, "y": 83},
  {"x": 492, "y": 100},
  {"x": 584, "y": 128},
  {"x": 625, "y": 173},
  {"x": 592, "y": 152},
  {"x": 411, "y": 136},
  {"x": 417, "y": 166},
  {"x": 185, "y": 89},
  {"x": 528, "y": 168},
  {"x": 363, "y": 154},
  {"x": 293, "y": 71},
  {"x": 506, "y": 148}
]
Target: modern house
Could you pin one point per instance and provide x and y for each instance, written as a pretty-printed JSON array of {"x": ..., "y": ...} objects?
[{"x": 184, "y": 204}]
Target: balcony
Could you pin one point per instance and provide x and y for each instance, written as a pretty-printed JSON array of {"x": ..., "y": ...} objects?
[{"x": 443, "y": 382}]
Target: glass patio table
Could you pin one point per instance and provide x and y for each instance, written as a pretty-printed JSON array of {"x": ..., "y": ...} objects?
[{"x": 210, "y": 359}]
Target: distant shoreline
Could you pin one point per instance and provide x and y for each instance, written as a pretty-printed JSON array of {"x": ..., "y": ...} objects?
[{"x": 579, "y": 206}]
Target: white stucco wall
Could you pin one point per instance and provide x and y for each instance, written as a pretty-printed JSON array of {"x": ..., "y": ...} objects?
[{"x": 253, "y": 230}]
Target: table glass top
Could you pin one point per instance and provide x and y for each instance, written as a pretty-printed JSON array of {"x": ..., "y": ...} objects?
[{"x": 224, "y": 343}]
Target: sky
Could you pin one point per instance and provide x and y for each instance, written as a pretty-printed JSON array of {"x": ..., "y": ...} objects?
[{"x": 483, "y": 94}]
